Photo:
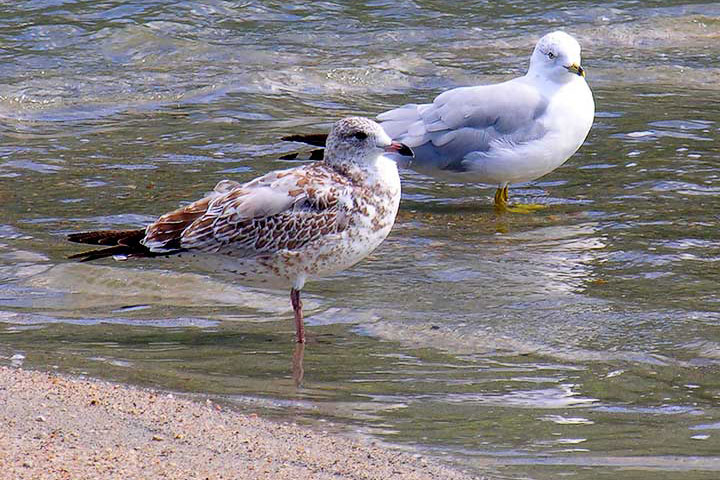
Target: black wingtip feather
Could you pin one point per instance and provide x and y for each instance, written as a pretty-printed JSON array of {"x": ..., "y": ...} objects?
[
  {"x": 314, "y": 139},
  {"x": 108, "y": 237},
  {"x": 119, "y": 242},
  {"x": 318, "y": 154},
  {"x": 101, "y": 253}
]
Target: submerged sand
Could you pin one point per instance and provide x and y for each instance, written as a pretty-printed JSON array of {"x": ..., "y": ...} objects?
[{"x": 55, "y": 427}]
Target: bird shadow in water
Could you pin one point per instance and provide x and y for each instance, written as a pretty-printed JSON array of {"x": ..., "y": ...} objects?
[{"x": 481, "y": 218}]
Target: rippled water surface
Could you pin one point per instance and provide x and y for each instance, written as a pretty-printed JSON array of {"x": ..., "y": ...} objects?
[{"x": 581, "y": 340}]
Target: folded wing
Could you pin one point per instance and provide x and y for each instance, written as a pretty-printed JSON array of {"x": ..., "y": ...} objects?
[
  {"x": 281, "y": 210},
  {"x": 467, "y": 119}
]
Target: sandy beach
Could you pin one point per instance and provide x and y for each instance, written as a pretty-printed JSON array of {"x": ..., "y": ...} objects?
[{"x": 56, "y": 427}]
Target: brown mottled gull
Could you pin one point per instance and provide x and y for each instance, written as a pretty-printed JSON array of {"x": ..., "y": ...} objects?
[{"x": 285, "y": 227}]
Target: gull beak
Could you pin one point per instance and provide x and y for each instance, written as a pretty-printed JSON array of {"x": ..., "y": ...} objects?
[
  {"x": 576, "y": 69},
  {"x": 400, "y": 149}
]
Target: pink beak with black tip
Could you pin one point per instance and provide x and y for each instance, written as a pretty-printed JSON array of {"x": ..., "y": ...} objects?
[{"x": 400, "y": 149}]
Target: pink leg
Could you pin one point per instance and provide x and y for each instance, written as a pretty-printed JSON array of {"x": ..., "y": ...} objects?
[{"x": 297, "y": 307}]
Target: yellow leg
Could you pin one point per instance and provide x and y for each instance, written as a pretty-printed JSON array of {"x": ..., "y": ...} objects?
[
  {"x": 525, "y": 208},
  {"x": 502, "y": 205},
  {"x": 501, "y": 199}
]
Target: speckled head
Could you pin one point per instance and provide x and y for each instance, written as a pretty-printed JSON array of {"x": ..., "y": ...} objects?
[
  {"x": 360, "y": 141},
  {"x": 556, "y": 57}
]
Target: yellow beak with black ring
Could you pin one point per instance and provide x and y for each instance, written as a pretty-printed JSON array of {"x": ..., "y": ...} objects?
[{"x": 576, "y": 69}]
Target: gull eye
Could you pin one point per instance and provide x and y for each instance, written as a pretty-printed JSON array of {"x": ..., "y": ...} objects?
[
  {"x": 360, "y": 135},
  {"x": 551, "y": 55}
]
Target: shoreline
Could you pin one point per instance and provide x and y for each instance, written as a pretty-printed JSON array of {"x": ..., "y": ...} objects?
[{"x": 57, "y": 427}]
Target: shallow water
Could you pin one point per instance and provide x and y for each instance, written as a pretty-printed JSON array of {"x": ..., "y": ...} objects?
[{"x": 581, "y": 340}]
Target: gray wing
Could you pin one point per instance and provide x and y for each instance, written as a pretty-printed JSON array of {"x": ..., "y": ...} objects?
[{"x": 465, "y": 120}]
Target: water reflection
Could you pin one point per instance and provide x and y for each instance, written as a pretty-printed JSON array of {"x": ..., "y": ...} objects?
[{"x": 298, "y": 369}]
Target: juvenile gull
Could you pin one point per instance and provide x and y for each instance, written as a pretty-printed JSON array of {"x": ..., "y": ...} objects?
[
  {"x": 285, "y": 227},
  {"x": 510, "y": 132}
]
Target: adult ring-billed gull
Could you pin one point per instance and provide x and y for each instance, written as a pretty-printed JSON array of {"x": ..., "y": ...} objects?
[
  {"x": 510, "y": 132},
  {"x": 285, "y": 227}
]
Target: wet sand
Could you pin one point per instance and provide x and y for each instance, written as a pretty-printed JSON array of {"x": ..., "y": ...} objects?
[{"x": 56, "y": 427}]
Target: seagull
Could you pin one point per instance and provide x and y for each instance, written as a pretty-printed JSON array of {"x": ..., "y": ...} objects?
[
  {"x": 285, "y": 227},
  {"x": 505, "y": 133}
]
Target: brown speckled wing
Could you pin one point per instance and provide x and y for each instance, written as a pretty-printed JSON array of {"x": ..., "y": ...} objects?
[
  {"x": 165, "y": 233},
  {"x": 281, "y": 210}
]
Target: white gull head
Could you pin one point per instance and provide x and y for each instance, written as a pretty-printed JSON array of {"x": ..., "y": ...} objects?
[{"x": 557, "y": 58}]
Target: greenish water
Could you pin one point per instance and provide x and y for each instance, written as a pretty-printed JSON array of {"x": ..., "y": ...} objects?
[{"x": 582, "y": 340}]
